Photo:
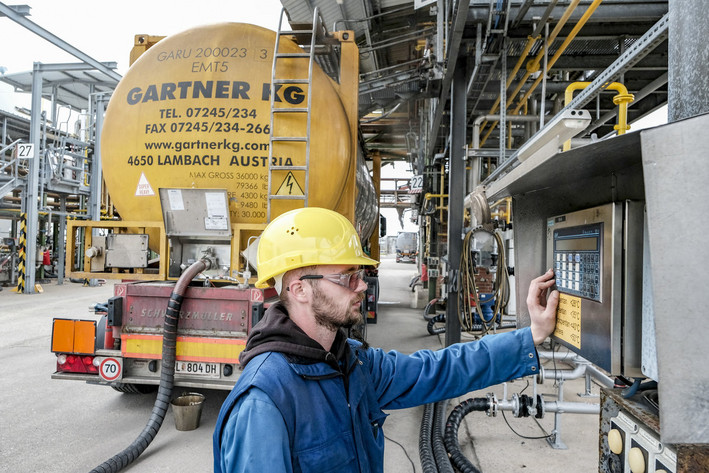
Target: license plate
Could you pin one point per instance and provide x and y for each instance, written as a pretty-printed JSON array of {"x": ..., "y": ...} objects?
[{"x": 207, "y": 370}]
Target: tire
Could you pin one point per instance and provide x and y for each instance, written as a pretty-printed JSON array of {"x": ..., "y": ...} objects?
[{"x": 130, "y": 388}]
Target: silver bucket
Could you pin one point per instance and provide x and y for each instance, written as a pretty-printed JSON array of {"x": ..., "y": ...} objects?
[{"x": 187, "y": 410}]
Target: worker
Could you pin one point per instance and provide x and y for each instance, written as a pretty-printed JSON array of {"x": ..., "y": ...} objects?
[{"x": 311, "y": 400}]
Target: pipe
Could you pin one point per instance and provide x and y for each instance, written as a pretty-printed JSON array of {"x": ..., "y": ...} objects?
[
  {"x": 478, "y": 124},
  {"x": 572, "y": 407},
  {"x": 167, "y": 375},
  {"x": 575, "y": 31},
  {"x": 519, "y": 405},
  {"x": 621, "y": 99},
  {"x": 533, "y": 65},
  {"x": 589, "y": 369}
]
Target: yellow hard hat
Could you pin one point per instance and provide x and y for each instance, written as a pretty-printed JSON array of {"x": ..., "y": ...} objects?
[{"x": 307, "y": 237}]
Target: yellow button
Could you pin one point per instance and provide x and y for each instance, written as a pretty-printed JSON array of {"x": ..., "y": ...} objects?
[
  {"x": 615, "y": 441},
  {"x": 636, "y": 460}
]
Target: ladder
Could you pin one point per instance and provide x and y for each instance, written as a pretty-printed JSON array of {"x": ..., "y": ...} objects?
[{"x": 313, "y": 34}]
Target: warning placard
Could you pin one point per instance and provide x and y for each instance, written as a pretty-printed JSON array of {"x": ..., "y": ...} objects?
[
  {"x": 144, "y": 186},
  {"x": 568, "y": 320},
  {"x": 290, "y": 186}
]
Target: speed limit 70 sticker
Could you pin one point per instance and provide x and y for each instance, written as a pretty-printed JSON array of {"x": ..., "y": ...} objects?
[{"x": 111, "y": 369}]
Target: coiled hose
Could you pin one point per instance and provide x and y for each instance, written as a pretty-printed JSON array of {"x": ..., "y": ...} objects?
[
  {"x": 439, "y": 449},
  {"x": 428, "y": 463},
  {"x": 431, "y": 326},
  {"x": 167, "y": 375},
  {"x": 450, "y": 438},
  {"x": 468, "y": 289},
  {"x": 432, "y": 451}
]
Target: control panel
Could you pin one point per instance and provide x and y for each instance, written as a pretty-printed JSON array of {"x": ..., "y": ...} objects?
[
  {"x": 577, "y": 260},
  {"x": 636, "y": 449},
  {"x": 597, "y": 256}
]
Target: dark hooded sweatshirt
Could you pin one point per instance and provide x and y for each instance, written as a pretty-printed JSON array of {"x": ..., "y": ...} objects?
[{"x": 277, "y": 332}]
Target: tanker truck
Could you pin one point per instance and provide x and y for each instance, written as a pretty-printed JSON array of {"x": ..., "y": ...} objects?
[{"x": 211, "y": 133}]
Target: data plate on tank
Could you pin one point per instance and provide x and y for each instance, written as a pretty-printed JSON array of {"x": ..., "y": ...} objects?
[
  {"x": 196, "y": 213},
  {"x": 191, "y": 368}
]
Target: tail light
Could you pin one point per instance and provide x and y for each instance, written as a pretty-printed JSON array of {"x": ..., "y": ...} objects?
[{"x": 76, "y": 364}]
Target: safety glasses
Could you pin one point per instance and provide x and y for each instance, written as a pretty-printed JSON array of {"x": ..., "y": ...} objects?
[{"x": 349, "y": 280}]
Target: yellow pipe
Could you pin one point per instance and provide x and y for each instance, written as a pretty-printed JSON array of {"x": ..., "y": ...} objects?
[
  {"x": 440, "y": 202},
  {"x": 532, "y": 66},
  {"x": 506, "y": 214},
  {"x": 575, "y": 31},
  {"x": 528, "y": 47},
  {"x": 621, "y": 99},
  {"x": 440, "y": 205}
]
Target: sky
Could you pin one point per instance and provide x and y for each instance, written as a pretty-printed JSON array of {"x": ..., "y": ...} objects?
[{"x": 105, "y": 30}]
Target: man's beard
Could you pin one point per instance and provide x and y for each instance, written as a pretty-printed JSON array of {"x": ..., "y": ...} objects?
[{"x": 332, "y": 313}]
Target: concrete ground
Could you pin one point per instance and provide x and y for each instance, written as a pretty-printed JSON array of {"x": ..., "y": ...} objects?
[{"x": 49, "y": 425}]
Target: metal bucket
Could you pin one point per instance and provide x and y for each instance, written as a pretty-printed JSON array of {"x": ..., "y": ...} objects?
[{"x": 187, "y": 410}]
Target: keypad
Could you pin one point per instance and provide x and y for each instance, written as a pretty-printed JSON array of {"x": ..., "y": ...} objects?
[{"x": 579, "y": 273}]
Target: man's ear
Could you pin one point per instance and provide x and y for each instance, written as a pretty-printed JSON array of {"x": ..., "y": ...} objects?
[{"x": 299, "y": 291}]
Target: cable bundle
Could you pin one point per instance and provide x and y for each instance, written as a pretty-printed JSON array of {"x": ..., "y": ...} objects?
[{"x": 468, "y": 288}]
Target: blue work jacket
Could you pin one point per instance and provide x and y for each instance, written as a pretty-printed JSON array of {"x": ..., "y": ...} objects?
[{"x": 284, "y": 416}]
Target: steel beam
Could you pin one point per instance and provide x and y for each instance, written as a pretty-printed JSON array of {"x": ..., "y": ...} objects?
[
  {"x": 96, "y": 167},
  {"x": 55, "y": 40},
  {"x": 456, "y": 173},
  {"x": 31, "y": 201},
  {"x": 688, "y": 59},
  {"x": 454, "y": 40}
]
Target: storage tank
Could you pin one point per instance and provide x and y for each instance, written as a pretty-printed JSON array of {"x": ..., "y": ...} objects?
[{"x": 194, "y": 112}]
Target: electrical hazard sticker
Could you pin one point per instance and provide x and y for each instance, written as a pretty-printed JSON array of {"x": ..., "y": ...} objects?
[
  {"x": 568, "y": 320},
  {"x": 144, "y": 186},
  {"x": 290, "y": 186}
]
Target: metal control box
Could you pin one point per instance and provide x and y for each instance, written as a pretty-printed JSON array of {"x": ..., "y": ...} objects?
[
  {"x": 197, "y": 224},
  {"x": 597, "y": 255}
]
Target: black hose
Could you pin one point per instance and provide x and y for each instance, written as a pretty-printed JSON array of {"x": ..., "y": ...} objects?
[
  {"x": 440, "y": 318},
  {"x": 431, "y": 304},
  {"x": 451, "y": 436},
  {"x": 439, "y": 449},
  {"x": 167, "y": 375},
  {"x": 428, "y": 463}
]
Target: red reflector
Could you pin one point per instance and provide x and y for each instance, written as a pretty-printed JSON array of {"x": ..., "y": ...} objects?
[{"x": 77, "y": 364}]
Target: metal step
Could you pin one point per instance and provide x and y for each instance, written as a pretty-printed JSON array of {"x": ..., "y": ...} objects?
[
  {"x": 287, "y": 197},
  {"x": 291, "y": 81},
  {"x": 288, "y": 168},
  {"x": 294, "y": 55},
  {"x": 9, "y": 186},
  {"x": 290, "y": 110},
  {"x": 289, "y": 138}
]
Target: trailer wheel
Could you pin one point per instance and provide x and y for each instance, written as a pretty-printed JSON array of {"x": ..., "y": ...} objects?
[{"x": 130, "y": 388}]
